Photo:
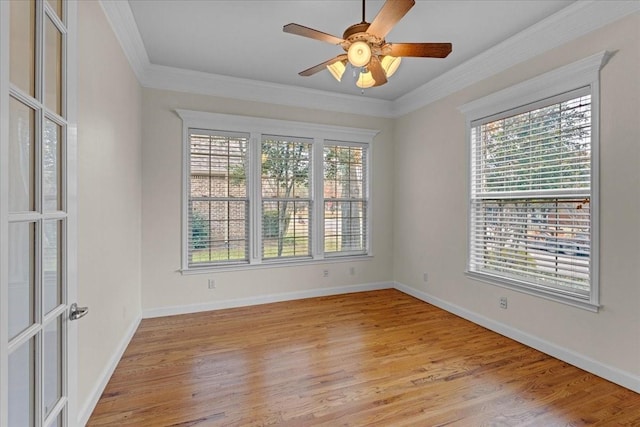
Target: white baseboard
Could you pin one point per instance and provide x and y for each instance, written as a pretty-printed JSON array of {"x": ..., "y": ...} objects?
[
  {"x": 615, "y": 375},
  {"x": 92, "y": 400},
  {"x": 263, "y": 299}
]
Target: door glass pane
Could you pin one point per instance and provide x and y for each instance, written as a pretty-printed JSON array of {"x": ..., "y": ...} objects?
[
  {"x": 57, "y": 7},
  {"x": 51, "y": 264},
  {"x": 22, "y": 159},
  {"x": 22, "y": 385},
  {"x": 57, "y": 422},
  {"x": 52, "y": 356},
  {"x": 23, "y": 45},
  {"x": 53, "y": 67},
  {"x": 21, "y": 276},
  {"x": 51, "y": 173}
]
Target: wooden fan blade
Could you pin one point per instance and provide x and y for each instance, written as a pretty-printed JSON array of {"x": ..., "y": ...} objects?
[
  {"x": 320, "y": 67},
  {"x": 311, "y": 33},
  {"x": 377, "y": 72},
  {"x": 423, "y": 50},
  {"x": 392, "y": 11}
]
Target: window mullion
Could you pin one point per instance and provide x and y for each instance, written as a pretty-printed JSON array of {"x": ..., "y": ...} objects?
[
  {"x": 317, "y": 199},
  {"x": 255, "y": 197}
]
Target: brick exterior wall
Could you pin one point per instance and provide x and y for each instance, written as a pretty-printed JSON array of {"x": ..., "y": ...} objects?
[{"x": 228, "y": 219}]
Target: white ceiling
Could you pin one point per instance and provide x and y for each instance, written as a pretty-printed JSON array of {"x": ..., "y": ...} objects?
[{"x": 244, "y": 39}]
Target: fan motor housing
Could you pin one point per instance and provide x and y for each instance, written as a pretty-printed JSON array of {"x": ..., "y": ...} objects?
[
  {"x": 358, "y": 32},
  {"x": 354, "y": 29}
]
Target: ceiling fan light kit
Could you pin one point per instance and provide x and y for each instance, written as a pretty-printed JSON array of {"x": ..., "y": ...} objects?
[{"x": 366, "y": 48}]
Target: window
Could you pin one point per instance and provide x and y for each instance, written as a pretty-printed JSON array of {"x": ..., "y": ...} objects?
[
  {"x": 533, "y": 198},
  {"x": 218, "y": 204},
  {"x": 286, "y": 197},
  {"x": 260, "y": 191},
  {"x": 345, "y": 204}
]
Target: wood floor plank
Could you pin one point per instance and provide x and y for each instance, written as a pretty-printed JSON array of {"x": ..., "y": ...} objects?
[{"x": 377, "y": 358}]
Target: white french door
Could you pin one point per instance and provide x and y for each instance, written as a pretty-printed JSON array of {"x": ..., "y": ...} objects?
[{"x": 37, "y": 219}]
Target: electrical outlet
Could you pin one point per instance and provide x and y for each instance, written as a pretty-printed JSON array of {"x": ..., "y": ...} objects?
[
  {"x": 325, "y": 273},
  {"x": 352, "y": 270},
  {"x": 425, "y": 277},
  {"x": 503, "y": 303},
  {"x": 211, "y": 284}
]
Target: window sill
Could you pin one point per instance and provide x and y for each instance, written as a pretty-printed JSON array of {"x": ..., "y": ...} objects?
[
  {"x": 523, "y": 288},
  {"x": 273, "y": 264}
]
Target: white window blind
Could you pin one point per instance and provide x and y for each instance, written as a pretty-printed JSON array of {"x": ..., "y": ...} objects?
[
  {"x": 218, "y": 204},
  {"x": 530, "y": 218},
  {"x": 345, "y": 199}
]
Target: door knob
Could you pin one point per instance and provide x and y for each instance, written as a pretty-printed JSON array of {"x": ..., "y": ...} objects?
[{"x": 76, "y": 312}]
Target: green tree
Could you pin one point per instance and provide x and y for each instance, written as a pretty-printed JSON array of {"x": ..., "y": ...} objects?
[{"x": 199, "y": 231}]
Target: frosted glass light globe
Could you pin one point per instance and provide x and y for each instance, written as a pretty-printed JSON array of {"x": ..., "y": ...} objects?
[{"x": 359, "y": 54}]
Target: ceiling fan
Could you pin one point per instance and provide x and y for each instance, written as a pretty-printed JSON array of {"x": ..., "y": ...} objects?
[{"x": 367, "y": 50}]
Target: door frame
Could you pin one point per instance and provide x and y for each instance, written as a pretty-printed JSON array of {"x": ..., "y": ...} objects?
[
  {"x": 4, "y": 213},
  {"x": 71, "y": 177}
]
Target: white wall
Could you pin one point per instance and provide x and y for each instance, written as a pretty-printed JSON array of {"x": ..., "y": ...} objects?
[
  {"x": 165, "y": 290},
  {"x": 109, "y": 200},
  {"x": 430, "y": 214}
]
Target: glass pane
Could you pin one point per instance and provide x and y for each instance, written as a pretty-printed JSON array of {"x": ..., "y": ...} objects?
[
  {"x": 51, "y": 173},
  {"x": 344, "y": 172},
  {"x": 51, "y": 264},
  {"x": 21, "y": 276},
  {"x": 218, "y": 231},
  {"x": 217, "y": 165},
  {"x": 285, "y": 229},
  {"x": 57, "y": 7},
  {"x": 53, "y": 68},
  {"x": 22, "y": 163},
  {"x": 57, "y": 421},
  {"x": 22, "y": 385},
  {"x": 344, "y": 226},
  {"x": 539, "y": 150},
  {"x": 285, "y": 168},
  {"x": 23, "y": 45},
  {"x": 543, "y": 241},
  {"x": 52, "y": 356}
]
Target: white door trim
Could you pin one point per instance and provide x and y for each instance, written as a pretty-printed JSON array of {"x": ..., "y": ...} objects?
[
  {"x": 4, "y": 214},
  {"x": 72, "y": 207}
]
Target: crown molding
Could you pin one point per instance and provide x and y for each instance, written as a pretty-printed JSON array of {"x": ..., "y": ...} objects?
[
  {"x": 170, "y": 78},
  {"x": 560, "y": 80},
  {"x": 125, "y": 28},
  {"x": 577, "y": 19}
]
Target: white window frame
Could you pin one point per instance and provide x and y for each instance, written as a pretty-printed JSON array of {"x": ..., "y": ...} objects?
[
  {"x": 257, "y": 127},
  {"x": 580, "y": 74}
]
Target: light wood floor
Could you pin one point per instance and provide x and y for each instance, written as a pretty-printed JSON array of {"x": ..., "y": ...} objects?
[{"x": 376, "y": 358}]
